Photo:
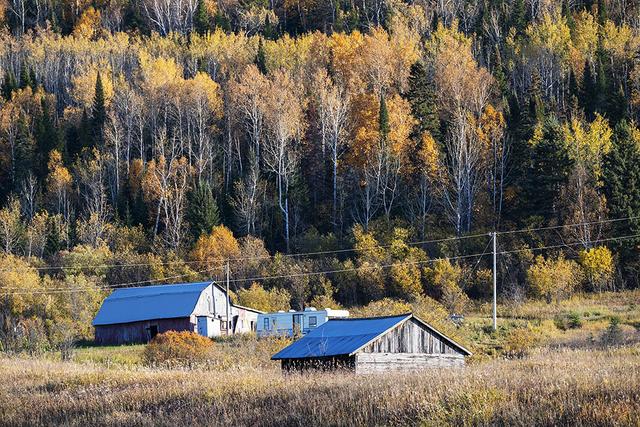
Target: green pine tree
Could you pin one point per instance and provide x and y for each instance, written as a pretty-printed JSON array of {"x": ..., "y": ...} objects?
[
  {"x": 24, "y": 152},
  {"x": 33, "y": 79},
  {"x": 622, "y": 192},
  {"x": 25, "y": 77},
  {"x": 602, "y": 12},
  {"x": 423, "y": 102},
  {"x": 202, "y": 210},
  {"x": 201, "y": 21},
  {"x": 9, "y": 84},
  {"x": 548, "y": 171},
  {"x": 261, "y": 59},
  {"x": 47, "y": 137},
  {"x": 98, "y": 110}
]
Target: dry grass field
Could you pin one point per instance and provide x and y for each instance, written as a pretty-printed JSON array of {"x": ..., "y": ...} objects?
[
  {"x": 561, "y": 387},
  {"x": 561, "y": 376}
]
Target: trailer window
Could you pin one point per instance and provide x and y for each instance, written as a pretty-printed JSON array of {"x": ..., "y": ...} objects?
[
  {"x": 266, "y": 323},
  {"x": 313, "y": 321}
]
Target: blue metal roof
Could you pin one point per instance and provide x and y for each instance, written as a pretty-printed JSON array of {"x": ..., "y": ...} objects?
[
  {"x": 339, "y": 337},
  {"x": 149, "y": 302}
]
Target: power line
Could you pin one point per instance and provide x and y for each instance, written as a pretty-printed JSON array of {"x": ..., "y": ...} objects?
[
  {"x": 284, "y": 276},
  {"x": 314, "y": 273},
  {"x": 564, "y": 245},
  {"x": 238, "y": 259},
  {"x": 554, "y": 227},
  {"x": 305, "y": 254}
]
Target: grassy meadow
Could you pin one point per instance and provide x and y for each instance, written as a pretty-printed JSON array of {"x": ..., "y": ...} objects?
[{"x": 563, "y": 373}]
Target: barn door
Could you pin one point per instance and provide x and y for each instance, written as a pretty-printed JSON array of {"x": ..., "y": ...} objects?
[{"x": 202, "y": 326}]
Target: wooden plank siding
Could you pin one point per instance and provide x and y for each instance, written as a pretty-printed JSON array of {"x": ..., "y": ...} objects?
[
  {"x": 138, "y": 332},
  {"x": 367, "y": 363},
  {"x": 410, "y": 337}
]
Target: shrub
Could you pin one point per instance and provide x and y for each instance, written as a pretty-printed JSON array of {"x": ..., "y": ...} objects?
[
  {"x": 519, "y": 342},
  {"x": 566, "y": 321},
  {"x": 177, "y": 349},
  {"x": 612, "y": 336}
]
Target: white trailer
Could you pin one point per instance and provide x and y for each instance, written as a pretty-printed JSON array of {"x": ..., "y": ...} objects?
[{"x": 293, "y": 322}]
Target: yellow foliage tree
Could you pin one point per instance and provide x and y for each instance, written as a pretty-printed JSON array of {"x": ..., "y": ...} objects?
[
  {"x": 552, "y": 279},
  {"x": 598, "y": 266},
  {"x": 265, "y": 300},
  {"x": 211, "y": 250}
]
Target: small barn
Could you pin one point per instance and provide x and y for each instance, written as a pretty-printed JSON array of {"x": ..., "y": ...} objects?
[
  {"x": 136, "y": 315},
  {"x": 375, "y": 344}
]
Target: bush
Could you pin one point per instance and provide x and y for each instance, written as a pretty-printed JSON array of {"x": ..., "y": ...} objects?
[
  {"x": 566, "y": 321},
  {"x": 177, "y": 349},
  {"x": 519, "y": 342},
  {"x": 612, "y": 336}
]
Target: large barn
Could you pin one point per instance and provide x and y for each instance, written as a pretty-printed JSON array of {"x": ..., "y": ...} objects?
[
  {"x": 374, "y": 344},
  {"x": 136, "y": 315}
]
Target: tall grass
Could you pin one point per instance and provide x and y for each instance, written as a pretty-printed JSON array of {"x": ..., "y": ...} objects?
[{"x": 567, "y": 387}]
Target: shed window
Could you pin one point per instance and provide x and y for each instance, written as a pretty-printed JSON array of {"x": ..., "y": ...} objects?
[
  {"x": 313, "y": 321},
  {"x": 266, "y": 324}
]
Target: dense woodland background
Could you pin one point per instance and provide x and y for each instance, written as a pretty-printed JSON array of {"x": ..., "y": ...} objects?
[{"x": 148, "y": 141}]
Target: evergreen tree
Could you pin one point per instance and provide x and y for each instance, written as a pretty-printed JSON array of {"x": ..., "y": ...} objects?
[
  {"x": 536, "y": 106},
  {"x": 519, "y": 16},
  {"x": 383, "y": 119},
  {"x": 423, "y": 102},
  {"x": 79, "y": 137},
  {"x": 622, "y": 191},
  {"x": 33, "y": 80},
  {"x": 25, "y": 77},
  {"x": 201, "y": 22},
  {"x": 261, "y": 59},
  {"x": 98, "y": 110},
  {"x": 9, "y": 84},
  {"x": 24, "y": 154},
  {"x": 47, "y": 138},
  {"x": 602, "y": 12},
  {"x": 202, "y": 210},
  {"x": 548, "y": 170},
  {"x": 589, "y": 93}
]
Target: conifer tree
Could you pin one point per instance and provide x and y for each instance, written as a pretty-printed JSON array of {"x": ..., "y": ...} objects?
[
  {"x": 423, "y": 102},
  {"x": 98, "y": 110},
  {"x": 261, "y": 59},
  {"x": 548, "y": 170},
  {"x": 201, "y": 18},
  {"x": 202, "y": 210},
  {"x": 9, "y": 84},
  {"x": 602, "y": 12},
  {"x": 25, "y": 77},
  {"x": 24, "y": 155},
  {"x": 47, "y": 137},
  {"x": 622, "y": 191}
]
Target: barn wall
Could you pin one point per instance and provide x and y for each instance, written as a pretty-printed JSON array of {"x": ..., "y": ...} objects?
[
  {"x": 333, "y": 363},
  {"x": 382, "y": 362},
  {"x": 138, "y": 332},
  {"x": 410, "y": 337}
]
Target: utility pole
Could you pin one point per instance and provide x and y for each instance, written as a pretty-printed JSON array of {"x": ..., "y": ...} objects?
[
  {"x": 494, "y": 237},
  {"x": 227, "y": 296}
]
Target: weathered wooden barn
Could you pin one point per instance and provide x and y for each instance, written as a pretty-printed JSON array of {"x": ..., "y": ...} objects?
[
  {"x": 136, "y": 315},
  {"x": 376, "y": 344}
]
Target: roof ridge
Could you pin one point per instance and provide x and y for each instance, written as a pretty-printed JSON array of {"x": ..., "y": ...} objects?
[{"x": 334, "y": 319}]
